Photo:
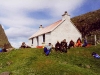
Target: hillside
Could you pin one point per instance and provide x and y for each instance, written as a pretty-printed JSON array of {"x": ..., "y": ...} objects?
[
  {"x": 32, "y": 61},
  {"x": 3, "y": 39},
  {"x": 88, "y": 23}
]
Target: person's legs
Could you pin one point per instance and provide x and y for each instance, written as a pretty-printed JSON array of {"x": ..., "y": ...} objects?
[
  {"x": 65, "y": 50},
  {"x": 45, "y": 49},
  {"x": 48, "y": 51},
  {"x": 56, "y": 49}
]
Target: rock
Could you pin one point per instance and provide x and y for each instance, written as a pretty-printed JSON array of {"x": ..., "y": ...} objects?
[
  {"x": 9, "y": 63},
  {"x": 4, "y": 43},
  {"x": 87, "y": 66},
  {"x": 9, "y": 49},
  {"x": 5, "y": 73}
]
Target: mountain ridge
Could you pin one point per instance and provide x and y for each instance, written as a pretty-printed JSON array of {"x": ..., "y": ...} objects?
[{"x": 3, "y": 39}]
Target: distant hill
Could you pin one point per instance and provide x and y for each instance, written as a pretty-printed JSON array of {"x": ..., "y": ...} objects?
[
  {"x": 3, "y": 39},
  {"x": 88, "y": 23}
]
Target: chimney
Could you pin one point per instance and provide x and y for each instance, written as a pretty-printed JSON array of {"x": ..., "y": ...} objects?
[
  {"x": 65, "y": 16},
  {"x": 40, "y": 27}
]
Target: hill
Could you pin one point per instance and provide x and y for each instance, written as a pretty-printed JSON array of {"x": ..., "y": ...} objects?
[
  {"x": 3, "y": 39},
  {"x": 88, "y": 23},
  {"x": 32, "y": 61}
]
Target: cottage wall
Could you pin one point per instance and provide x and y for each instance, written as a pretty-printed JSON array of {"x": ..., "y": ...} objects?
[
  {"x": 30, "y": 42},
  {"x": 67, "y": 31},
  {"x": 40, "y": 40},
  {"x": 34, "y": 42},
  {"x": 47, "y": 38}
]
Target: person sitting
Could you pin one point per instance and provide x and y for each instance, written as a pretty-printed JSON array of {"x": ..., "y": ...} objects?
[
  {"x": 71, "y": 44},
  {"x": 57, "y": 46},
  {"x": 47, "y": 49},
  {"x": 4, "y": 49},
  {"x": 78, "y": 43},
  {"x": 0, "y": 49},
  {"x": 95, "y": 55},
  {"x": 23, "y": 45},
  {"x": 85, "y": 43},
  {"x": 64, "y": 46}
]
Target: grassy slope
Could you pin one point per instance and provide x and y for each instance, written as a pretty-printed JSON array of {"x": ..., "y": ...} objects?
[{"x": 34, "y": 62}]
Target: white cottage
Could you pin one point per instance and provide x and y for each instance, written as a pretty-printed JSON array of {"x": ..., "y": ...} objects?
[{"x": 62, "y": 29}]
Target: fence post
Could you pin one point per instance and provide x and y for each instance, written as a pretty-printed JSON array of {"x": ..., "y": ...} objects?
[{"x": 95, "y": 39}]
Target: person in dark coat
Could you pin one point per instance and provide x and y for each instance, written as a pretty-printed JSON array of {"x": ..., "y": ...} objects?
[
  {"x": 57, "y": 46},
  {"x": 4, "y": 50},
  {"x": 64, "y": 46},
  {"x": 71, "y": 44}
]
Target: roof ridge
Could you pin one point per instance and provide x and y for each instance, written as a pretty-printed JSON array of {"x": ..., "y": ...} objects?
[{"x": 47, "y": 29}]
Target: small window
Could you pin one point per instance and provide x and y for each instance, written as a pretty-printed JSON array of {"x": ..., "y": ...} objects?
[
  {"x": 37, "y": 40},
  {"x": 32, "y": 40},
  {"x": 43, "y": 37}
]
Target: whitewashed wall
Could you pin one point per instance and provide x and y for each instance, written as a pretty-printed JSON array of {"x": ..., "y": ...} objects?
[
  {"x": 40, "y": 40},
  {"x": 47, "y": 38},
  {"x": 30, "y": 43},
  {"x": 65, "y": 31},
  {"x": 34, "y": 42}
]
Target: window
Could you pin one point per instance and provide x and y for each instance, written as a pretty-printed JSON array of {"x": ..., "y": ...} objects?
[
  {"x": 43, "y": 37},
  {"x": 37, "y": 40},
  {"x": 32, "y": 40}
]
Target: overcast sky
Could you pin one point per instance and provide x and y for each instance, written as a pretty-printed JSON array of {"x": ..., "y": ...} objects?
[{"x": 22, "y": 18}]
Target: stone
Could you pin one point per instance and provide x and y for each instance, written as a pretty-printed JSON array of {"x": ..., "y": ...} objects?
[{"x": 5, "y": 73}]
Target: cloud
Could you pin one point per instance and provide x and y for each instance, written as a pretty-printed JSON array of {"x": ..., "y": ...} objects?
[{"x": 20, "y": 24}]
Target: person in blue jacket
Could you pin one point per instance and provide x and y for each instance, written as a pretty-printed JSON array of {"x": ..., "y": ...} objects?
[
  {"x": 95, "y": 55},
  {"x": 85, "y": 43}
]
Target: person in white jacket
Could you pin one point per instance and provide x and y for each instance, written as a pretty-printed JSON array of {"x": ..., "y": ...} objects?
[{"x": 47, "y": 49}]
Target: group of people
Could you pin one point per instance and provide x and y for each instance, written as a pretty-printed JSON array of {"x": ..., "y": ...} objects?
[
  {"x": 80, "y": 44},
  {"x": 24, "y": 45},
  {"x": 63, "y": 45}
]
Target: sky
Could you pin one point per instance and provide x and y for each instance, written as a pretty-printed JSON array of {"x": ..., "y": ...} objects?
[{"x": 21, "y": 18}]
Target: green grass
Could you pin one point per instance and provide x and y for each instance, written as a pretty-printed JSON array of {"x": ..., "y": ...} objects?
[{"x": 32, "y": 61}]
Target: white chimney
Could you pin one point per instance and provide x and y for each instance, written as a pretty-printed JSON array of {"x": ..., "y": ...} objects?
[
  {"x": 65, "y": 16},
  {"x": 40, "y": 27}
]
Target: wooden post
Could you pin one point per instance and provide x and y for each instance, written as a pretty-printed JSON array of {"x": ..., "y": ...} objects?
[{"x": 95, "y": 39}]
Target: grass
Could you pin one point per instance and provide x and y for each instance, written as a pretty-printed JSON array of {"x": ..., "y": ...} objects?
[{"x": 32, "y": 61}]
